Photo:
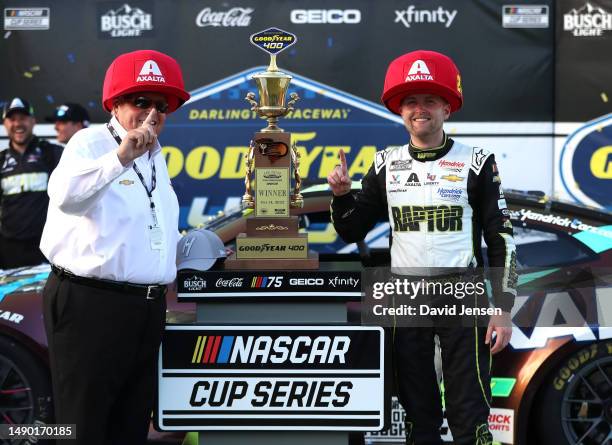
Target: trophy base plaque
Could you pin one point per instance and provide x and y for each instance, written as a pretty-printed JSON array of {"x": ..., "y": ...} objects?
[
  {"x": 311, "y": 262},
  {"x": 272, "y": 244}
]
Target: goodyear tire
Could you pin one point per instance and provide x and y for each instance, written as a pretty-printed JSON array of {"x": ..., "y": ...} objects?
[
  {"x": 575, "y": 403},
  {"x": 25, "y": 388}
]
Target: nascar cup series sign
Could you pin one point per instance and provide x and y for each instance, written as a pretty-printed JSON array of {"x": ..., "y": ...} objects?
[{"x": 271, "y": 378}]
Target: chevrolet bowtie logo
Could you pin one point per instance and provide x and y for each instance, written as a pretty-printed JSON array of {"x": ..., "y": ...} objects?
[
  {"x": 453, "y": 178},
  {"x": 126, "y": 182}
]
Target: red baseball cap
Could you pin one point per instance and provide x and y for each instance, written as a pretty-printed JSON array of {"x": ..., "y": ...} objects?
[
  {"x": 422, "y": 72},
  {"x": 144, "y": 70}
]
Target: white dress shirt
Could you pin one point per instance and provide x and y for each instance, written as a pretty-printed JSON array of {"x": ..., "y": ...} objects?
[{"x": 99, "y": 218}]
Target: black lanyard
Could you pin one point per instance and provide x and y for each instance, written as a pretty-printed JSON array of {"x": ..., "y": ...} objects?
[{"x": 114, "y": 134}]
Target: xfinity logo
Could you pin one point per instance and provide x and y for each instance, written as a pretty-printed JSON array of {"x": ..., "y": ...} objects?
[
  {"x": 230, "y": 18},
  {"x": 331, "y": 16},
  {"x": 410, "y": 16},
  {"x": 588, "y": 21},
  {"x": 126, "y": 21},
  {"x": 337, "y": 281}
]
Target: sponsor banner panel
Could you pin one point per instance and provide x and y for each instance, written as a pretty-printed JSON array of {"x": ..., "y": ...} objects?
[
  {"x": 26, "y": 19},
  {"x": 326, "y": 49},
  {"x": 271, "y": 378},
  {"x": 194, "y": 285}
]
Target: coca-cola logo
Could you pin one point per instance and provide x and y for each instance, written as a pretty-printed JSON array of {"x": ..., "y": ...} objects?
[
  {"x": 232, "y": 282},
  {"x": 231, "y": 17}
]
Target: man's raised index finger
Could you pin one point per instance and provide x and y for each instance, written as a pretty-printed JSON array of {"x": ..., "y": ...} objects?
[
  {"x": 343, "y": 162},
  {"x": 149, "y": 118}
]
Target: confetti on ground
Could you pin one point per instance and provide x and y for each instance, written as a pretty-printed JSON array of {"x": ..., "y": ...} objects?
[
  {"x": 604, "y": 97},
  {"x": 33, "y": 69}
]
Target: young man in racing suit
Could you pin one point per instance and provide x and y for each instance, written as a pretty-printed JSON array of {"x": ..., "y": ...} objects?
[{"x": 440, "y": 197}]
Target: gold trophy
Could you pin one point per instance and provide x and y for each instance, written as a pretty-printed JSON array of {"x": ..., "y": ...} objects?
[{"x": 272, "y": 240}]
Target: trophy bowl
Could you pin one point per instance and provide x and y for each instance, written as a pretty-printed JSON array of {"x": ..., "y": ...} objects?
[{"x": 272, "y": 87}]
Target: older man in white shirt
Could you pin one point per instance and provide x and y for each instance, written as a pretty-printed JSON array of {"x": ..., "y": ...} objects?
[{"x": 111, "y": 237}]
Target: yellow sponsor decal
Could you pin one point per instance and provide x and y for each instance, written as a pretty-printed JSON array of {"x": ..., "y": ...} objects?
[
  {"x": 277, "y": 247},
  {"x": 453, "y": 178},
  {"x": 601, "y": 163},
  {"x": 206, "y": 162}
]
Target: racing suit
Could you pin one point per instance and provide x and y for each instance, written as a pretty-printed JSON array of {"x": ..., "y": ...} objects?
[
  {"x": 24, "y": 201},
  {"x": 439, "y": 202}
]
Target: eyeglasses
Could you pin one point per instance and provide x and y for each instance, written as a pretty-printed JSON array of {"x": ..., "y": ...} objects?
[{"x": 145, "y": 103}]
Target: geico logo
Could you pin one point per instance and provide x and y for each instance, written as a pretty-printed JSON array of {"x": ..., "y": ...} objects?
[
  {"x": 332, "y": 16},
  {"x": 277, "y": 394},
  {"x": 439, "y": 218},
  {"x": 206, "y": 162},
  {"x": 302, "y": 349},
  {"x": 307, "y": 281}
]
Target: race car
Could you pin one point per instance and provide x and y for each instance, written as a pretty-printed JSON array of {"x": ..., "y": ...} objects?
[{"x": 552, "y": 385}]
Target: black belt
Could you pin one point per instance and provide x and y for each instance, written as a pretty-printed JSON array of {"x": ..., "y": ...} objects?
[{"x": 149, "y": 291}]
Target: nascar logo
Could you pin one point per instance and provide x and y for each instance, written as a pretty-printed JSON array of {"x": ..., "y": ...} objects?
[
  {"x": 259, "y": 282},
  {"x": 322, "y": 349}
]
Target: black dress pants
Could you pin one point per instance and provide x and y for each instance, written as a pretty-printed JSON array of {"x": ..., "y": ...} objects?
[{"x": 103, "y": 348}]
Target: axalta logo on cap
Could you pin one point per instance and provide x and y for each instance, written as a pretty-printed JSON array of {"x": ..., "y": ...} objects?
[
  {"x": 150, "y": 72},
  {"x": 418, "y": 71}
]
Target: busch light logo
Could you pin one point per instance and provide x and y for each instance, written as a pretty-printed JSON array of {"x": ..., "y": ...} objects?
[
  {"x": 231, "y": 17},
  {"x": 194, "y": 284},
  {"x": 586, "y": 163},
  {"x": 123, "y": 20},
  {"x": 588, "y": 21}
]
